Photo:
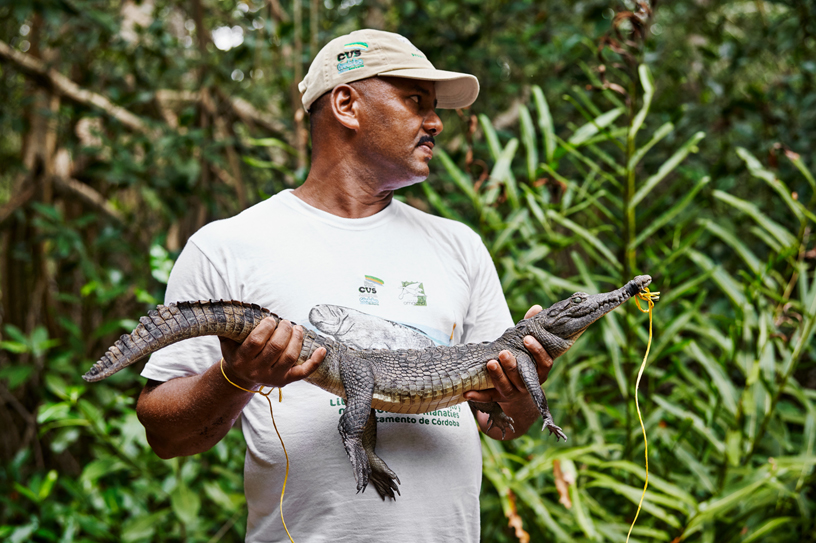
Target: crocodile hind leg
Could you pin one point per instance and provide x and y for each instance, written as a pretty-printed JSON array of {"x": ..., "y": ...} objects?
[
  {"x": 527, "y": 371},
  {"x": 497, "y": 417},
  {"x": 385, "y": 480},
  {"x": 358, "y": 380}
]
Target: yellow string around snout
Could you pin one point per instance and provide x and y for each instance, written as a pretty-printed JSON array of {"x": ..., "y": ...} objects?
[
  {"x": 650, "y": 298},
  {"x": 286, "y": 454}
]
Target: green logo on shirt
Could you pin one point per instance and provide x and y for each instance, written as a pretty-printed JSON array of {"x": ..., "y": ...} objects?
[{"x": 413, "y": 293}]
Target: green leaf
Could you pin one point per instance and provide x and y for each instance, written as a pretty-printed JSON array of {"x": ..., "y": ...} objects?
[
  {"x": 139, "y": 528},
  {"x": 16, "y": 375},
  {"x": 722, "y": 278},
  {"x": 272, "y": 142},
  {"x": 672, "y": 212},
  {"x": 659, "y": 134},
  {"x": 666, "y": 168},
  {"x": 185, "y": 503},
  {"x": 492, "y": 138},
  {"x": 647, "y": 82},
  {"x": 596, "y": 125},
  {"x": 528, "y": 139},
  {"x": 545, "y": 123},
  {"x": 47, "y": 484},
  {"x": 758, "y": 171},
  {"x": 767, "y": 528},
  {"x": 779, "y": 232}
]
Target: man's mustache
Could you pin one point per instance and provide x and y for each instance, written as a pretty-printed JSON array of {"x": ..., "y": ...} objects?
[{"x": 426, "y": 139}]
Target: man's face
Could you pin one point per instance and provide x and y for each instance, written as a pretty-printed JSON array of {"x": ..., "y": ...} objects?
[{"x": 397, "y": 128}]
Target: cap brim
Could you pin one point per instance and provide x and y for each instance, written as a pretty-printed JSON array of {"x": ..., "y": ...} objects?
[{"x": 453, "y": 89}]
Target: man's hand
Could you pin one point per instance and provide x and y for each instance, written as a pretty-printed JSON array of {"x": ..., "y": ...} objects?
[
  {"x": 268, "y": 355},
  {"x": 508, "y": 388}
]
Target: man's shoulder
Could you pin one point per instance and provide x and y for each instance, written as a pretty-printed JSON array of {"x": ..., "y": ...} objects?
[{"x": 255, "y": 219}]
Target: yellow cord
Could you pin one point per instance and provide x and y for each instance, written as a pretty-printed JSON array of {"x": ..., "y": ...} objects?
[
  {"x": 280, "y": 399},
  {"x": 650, "y": 298}
]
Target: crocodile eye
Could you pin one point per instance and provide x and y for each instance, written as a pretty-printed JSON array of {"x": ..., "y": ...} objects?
[{"x": 577, "y": 299}]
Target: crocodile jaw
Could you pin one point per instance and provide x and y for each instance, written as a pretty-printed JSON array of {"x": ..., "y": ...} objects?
[{"x": 569, "y": 318}]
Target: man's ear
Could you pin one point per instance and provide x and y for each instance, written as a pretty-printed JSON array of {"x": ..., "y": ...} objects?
[{"x": 345, "y": 105}]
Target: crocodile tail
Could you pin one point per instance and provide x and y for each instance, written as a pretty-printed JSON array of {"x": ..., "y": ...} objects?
[{"x": 168, "y": 324}]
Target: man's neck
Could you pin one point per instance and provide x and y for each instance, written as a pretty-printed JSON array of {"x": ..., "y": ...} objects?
[{"x": 340, "y": 191}]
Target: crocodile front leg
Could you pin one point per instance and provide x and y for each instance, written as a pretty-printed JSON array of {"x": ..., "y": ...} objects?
[
  {"x": 385, "y": 480},
  {"x": 358, "y": 381},
  {"x": 497, "y": 417},
  {"x": 528, "y": 373}
]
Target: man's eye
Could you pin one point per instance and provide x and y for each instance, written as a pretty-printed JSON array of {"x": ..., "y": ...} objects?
[{"x": 415, "y": 98}]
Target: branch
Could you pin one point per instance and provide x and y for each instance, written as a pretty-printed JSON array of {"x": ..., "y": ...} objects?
[
  {"x": 88, "y": 195},
  {"x": 67, "y": 88}
]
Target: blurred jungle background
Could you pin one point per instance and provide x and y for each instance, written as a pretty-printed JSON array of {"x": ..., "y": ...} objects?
[{"x": 611, "y": 138}]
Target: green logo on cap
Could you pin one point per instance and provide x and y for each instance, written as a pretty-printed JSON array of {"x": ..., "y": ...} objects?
[{"x": 356, "y": 45}]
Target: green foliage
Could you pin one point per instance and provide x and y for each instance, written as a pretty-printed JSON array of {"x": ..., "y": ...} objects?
[
  {"x": 696, "y": 169},
  {"x": 731, "y": 428}
]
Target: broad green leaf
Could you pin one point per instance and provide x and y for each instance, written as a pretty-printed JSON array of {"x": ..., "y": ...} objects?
[
  {"x": 545, "y": 123},
  {"x": 722, "y": 384},
  {"x": 723, "y": 279},
  {"x": 185, "y": 502},
  {"x": 582, "y": 517},
  {"x": 671, "y": 213},
  {"x": 272, "y": 142},
  {"x": 719, "y": 506},
  {"x": 438, "y": 203},
  {"x": 766, "y": 528},
  {"x": 610, "y": 262},
  {"x": 633, "y": 495},
  {"x": 800, "y": 165},
  {"x": 529, "y": 141},
  {"x": 758, "y": 171},
  {"x": 696, "y": 422},
  {"x": 460, "y": 178},
  {"x": 659, "y": 134},
  {"x": 502, "y": 174},
  {"x": 490, "y": 136},
  {"x": 647, "y": 82},
  {"x": 265, "y": 164},
  {"x": 47, "y": 484},
  {"x": 780, "y": 233},
  {"x": 655, "y": 481},
  {"x": 590, "y": 129},
  {"x": 543, "y": 516},
  {"x": 142, "y": 527},
  {"x": 666, "y": 168}
]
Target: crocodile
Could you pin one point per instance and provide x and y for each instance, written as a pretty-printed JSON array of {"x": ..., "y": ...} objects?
[{"x": 401, "y": 381}]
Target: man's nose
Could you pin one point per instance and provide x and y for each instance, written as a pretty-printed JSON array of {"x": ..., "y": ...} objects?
[{"x": 433, "y": 124}]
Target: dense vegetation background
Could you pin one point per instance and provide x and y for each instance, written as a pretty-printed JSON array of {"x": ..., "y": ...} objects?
[{"x": 610, "y": 139}]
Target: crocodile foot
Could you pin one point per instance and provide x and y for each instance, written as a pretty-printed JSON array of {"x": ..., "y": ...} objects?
[
  {"x": 384, "y": 480},
  {"x": 497, "y": 417},
  {"x": 549, "y": 424},
  {"x": 359, "y": 463}
]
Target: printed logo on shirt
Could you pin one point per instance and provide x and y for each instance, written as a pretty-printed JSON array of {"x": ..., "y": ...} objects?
[
  {"x": 368, "y": 291},
  {"x": 413, "y": 293}
]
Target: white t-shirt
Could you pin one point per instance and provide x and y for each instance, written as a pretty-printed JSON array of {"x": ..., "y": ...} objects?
[{"x": 430, "y": 274}]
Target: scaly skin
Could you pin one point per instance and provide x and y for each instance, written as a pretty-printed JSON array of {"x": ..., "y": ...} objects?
[{"x": 400, "y": 381}]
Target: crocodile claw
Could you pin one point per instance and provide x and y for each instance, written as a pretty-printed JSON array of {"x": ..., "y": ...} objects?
[
  {"x": 549, "y": 424},
  {"x": 501, "y": 421}
]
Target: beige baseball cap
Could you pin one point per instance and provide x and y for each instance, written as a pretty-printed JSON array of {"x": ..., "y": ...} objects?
[{"x": 368, "y": 53}]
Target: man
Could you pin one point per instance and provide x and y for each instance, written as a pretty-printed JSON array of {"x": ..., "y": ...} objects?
[{"x": 341, "y": 254}]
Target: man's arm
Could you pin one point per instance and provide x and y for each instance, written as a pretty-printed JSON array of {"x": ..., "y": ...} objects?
[
  {"x": 509, "y": 390},
  {"x": 189, "y": 415}
]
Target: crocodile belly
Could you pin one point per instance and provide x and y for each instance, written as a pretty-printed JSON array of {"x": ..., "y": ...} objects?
[{"x": 436, "y": 391}]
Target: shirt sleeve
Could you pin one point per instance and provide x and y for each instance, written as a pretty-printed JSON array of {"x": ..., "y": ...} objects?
[
  {"x": 194, "y": 277},
  {"x": 488, "y": 315}
]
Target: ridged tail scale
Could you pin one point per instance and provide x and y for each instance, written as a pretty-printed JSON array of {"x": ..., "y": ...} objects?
[{"x": 176, "y": 321}]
